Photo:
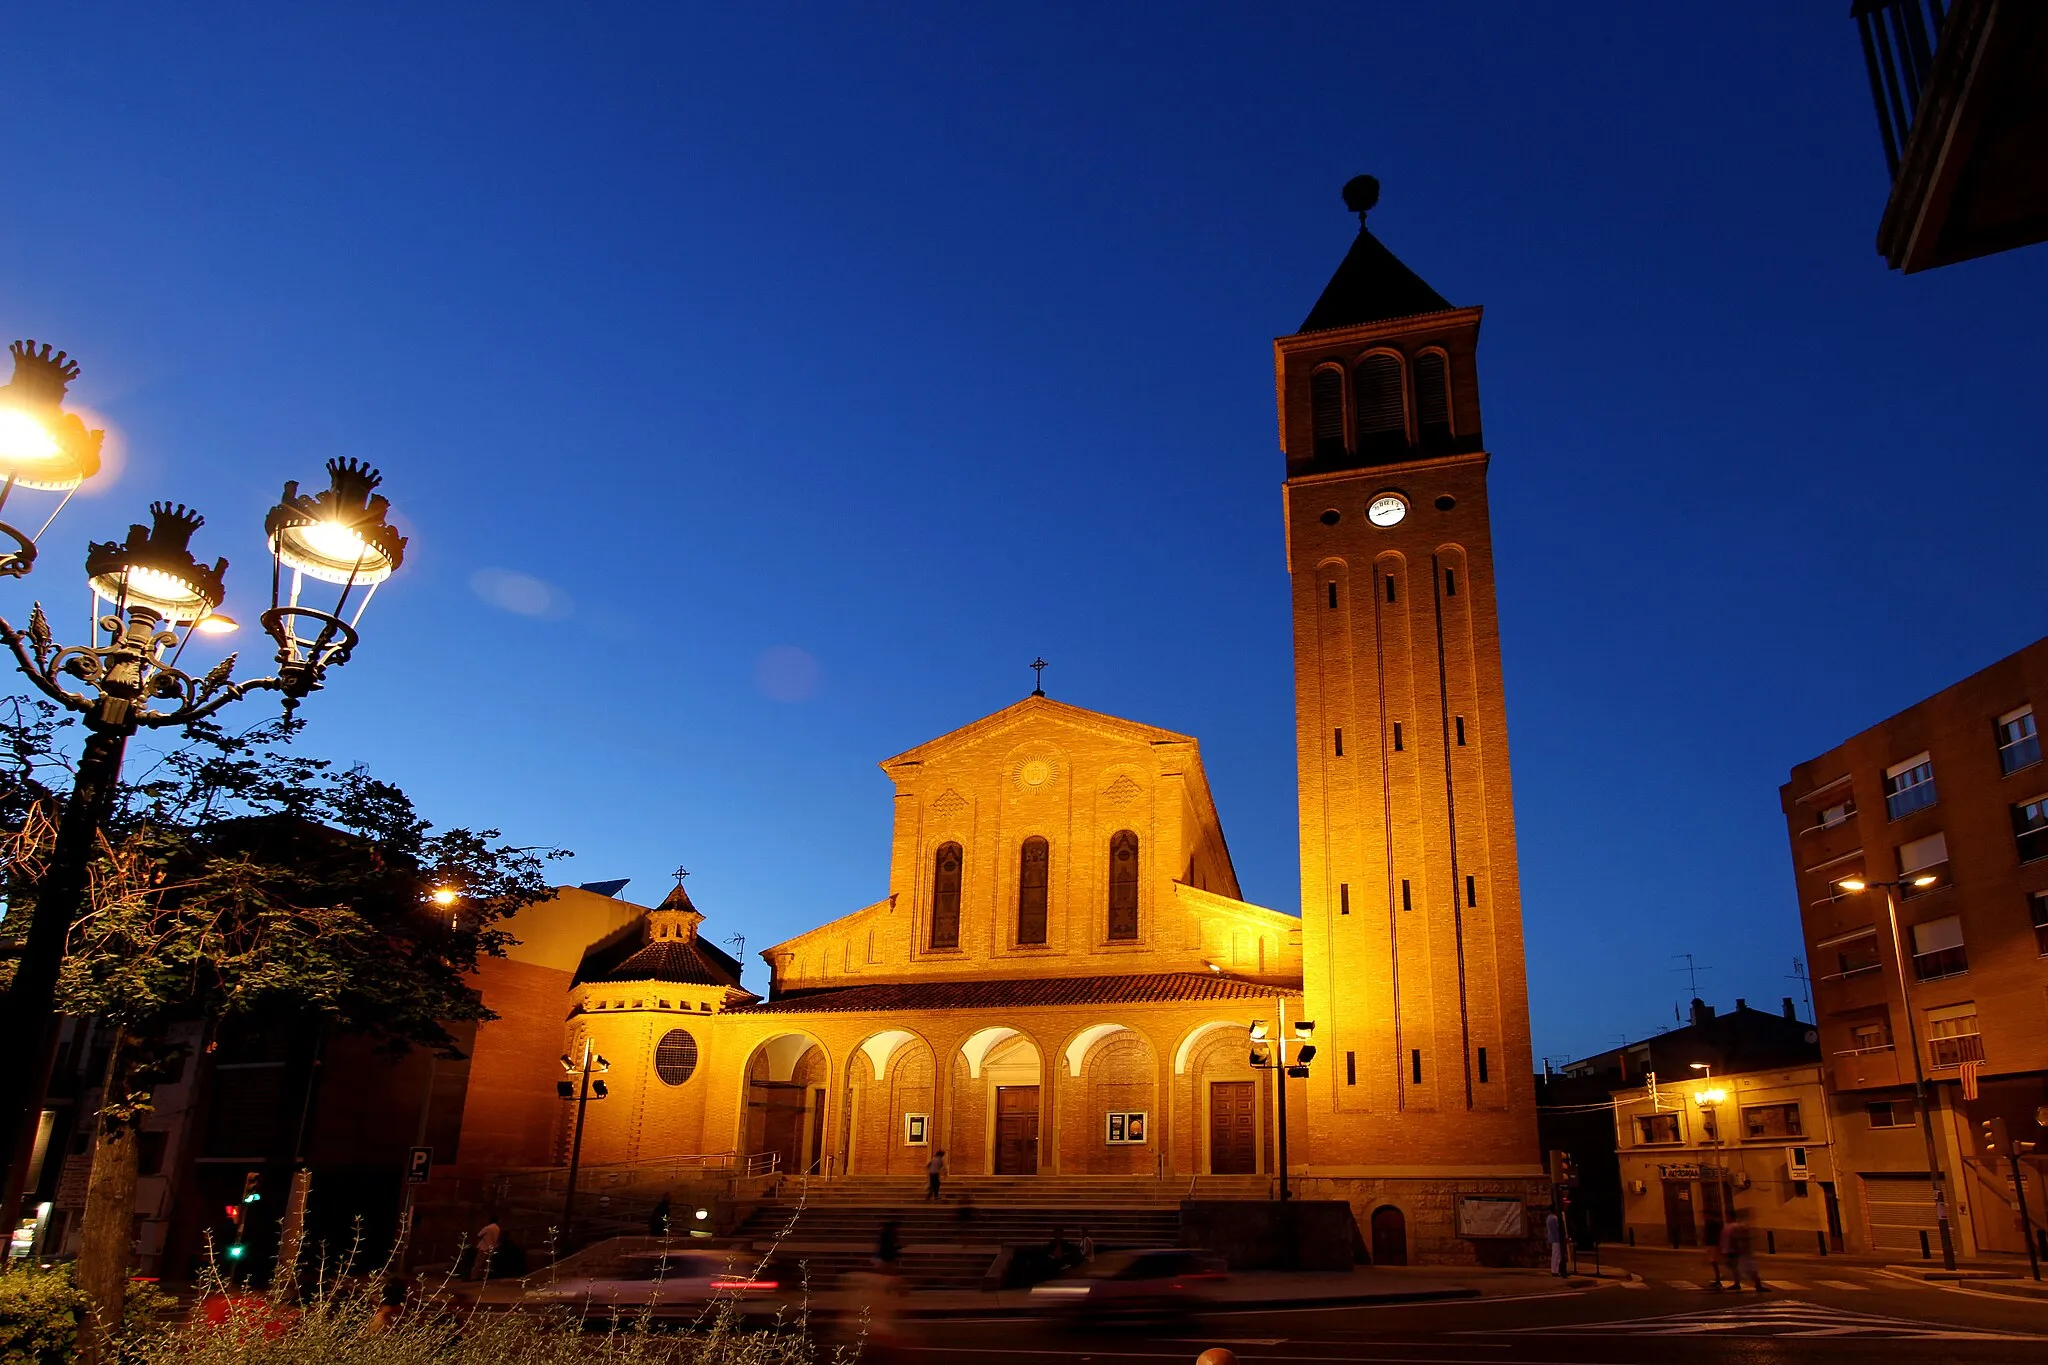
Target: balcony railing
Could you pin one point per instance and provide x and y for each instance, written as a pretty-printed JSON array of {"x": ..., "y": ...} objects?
[
  {"x": 1899, "y": 38},
  {"x": 1943, "y": 1053}
]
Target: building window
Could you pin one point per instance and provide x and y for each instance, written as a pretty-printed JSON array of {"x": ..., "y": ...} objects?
[
  {"x": 1340, "y": 741},
  {"x": 1887, "y": 1114},
  {"x": 1655, "y": 1128},
  {"x": 1926, "y": 857},
  {"x": 2030, "y": 828},
  {"x": 1461, "y": 729},
  {"x": 1392, "y": 592},
  {"x": 1952, "y": 1035},
  {"x": 946, "y": 897},
  {"x": 1406, "y": 902},
  {"x": 2037, "y": 904},
  {"x": 2018, "y": 745},
  {"x": 1450, "y": 582},
  {"x": 1351, "y": 1068},
  {"x": 1909, "y": 786},
  {"x": 1433, "y": 397},
  {"x": 1398, "y": 746},
  {"x": 1771, "y": 1121},
  {"x": 1415, "y": 1064},
  {"x": 1873, "y": 1036},
  {"x": 1033, "y": 868},
  {"x": 1471, "y": 892},
  {"x": 1343, "y": 898},
  {"x": 1376, "y": 398},
  {"x": 1482, "y": 1066},
  {"x": 1835, "y": 814},
  {"x": 1326, "y": 410},
  {"x": 1123, "y": 887},
  {"x": 1710, "y": 1123},
  {"x": 1333, "y": 597},
  {"x": 1938, "y": 949},
  {"x": 675, "y": 1057}
]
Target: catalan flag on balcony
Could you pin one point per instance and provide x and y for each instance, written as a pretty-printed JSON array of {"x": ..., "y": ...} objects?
[{"x": 1969, "y": 1070}]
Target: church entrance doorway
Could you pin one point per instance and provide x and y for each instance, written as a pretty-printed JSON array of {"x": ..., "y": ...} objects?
[
  {"x": 785, "y": 1099},
  {"x": 1233, "y": 1127},
  {"x": 1389, "y": 1236},
  {"x": 1016, "y": 1130}
]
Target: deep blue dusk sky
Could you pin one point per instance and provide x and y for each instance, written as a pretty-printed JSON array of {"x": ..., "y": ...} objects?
[{"x": 906, "y": 343}]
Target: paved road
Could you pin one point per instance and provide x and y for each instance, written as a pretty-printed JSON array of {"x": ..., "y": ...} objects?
[{"x": 1817, "y": 1311}]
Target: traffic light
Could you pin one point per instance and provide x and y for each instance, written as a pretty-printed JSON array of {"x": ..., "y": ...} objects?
[
  {"x": 1571, "y": 1171},
  {"x": 252, "y": 1187},
  {"x": 1994, "y": 1141}
]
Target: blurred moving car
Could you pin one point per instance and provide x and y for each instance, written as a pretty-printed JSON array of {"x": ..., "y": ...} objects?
[
  {"x": 662, "y": 1282},
  {"x": 1153, "y": 1281}
]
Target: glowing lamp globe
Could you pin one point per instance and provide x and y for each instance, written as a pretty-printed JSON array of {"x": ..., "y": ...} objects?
[
  {"x": 154, "y": 569},
  {"x": 340, "y": 534},
  {"x": 41, "y": 445}
]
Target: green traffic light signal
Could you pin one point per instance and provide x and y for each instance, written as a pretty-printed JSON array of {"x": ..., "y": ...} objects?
[{"x": 237, "y": 1251}]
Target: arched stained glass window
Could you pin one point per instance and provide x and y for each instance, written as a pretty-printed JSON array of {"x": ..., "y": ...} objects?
[
  {"x": 946, "y": 897},
  {"x": 1034, "y": 864},
  {"x": 1326, "y": 410},
  {"x": 1123, "y": 886}
]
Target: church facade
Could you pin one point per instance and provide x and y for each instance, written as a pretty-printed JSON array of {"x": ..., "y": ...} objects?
[{"x": 1063, "y": 975}]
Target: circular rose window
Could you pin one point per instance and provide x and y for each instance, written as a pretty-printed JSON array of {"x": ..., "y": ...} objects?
[{"x": 675, "y": 1057}]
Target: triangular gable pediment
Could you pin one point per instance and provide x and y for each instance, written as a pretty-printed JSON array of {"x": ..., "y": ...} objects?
[{"x": 1038, "y": 715}]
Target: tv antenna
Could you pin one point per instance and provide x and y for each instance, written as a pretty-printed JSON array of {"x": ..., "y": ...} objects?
[
  {"x": 1798, "y": 973},
  {"x": 1692, "y": 970}
]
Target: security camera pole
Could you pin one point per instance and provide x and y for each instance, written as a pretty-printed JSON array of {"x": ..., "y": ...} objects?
[{"x": 582, "y": 1090}]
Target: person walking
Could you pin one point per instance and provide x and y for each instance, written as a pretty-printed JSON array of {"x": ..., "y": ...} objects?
[
  {"x": 1087, "y": 1246},
  {"x": 1742, "y": 1253},
  {"x": 934, "y": 1171},
  {"x": 1715, "y": 1237},
  {"x": 1553, "y": 1233},
  {"x": 657, "y": 1221}
]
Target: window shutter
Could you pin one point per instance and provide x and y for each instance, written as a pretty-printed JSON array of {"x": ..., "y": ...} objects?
[
  {"x": 1432, "y": 397},
  {"x": 1923, "y": 853},
  {"x": 1326, "y": 410},
  {"x": 1382, "y": 418},
  {"x": 1936, "y": 935}
]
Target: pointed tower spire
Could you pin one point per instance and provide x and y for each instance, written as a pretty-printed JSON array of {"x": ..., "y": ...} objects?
[{"x": 1371, "y": 285}]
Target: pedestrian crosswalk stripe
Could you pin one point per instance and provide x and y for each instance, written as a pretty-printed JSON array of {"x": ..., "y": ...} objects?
[
  {"x": 1635, "y": 1284},
  {"x": 1683, "y": 1284},
  {"x": 1841, "y": 1284},
  {"x": 1776, "y": 1318}
]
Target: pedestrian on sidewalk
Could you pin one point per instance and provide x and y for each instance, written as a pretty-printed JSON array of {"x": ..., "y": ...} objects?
[
  {"x": 1553, "y": 1233},
  {"x": 1716, "y": 1239},
  {"x": 934, "y": 1171},
  {"x": 487, "y": 1238}
]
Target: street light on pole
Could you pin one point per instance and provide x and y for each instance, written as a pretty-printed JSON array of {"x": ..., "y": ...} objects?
[
  {"x": 1709, "y": 1098},
  {"x": 151, "y": 596},
  {"x": 1858, "y": 885},
  {"x": 582, "y": 1090},
  {"x": 1263, "y": 1058}
]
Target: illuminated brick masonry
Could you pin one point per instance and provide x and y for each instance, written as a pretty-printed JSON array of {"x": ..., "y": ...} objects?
[{"x": 1060, "y": 977}]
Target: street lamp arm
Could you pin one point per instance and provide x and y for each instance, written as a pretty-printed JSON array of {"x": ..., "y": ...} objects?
[{"x": 35, "y": 652}]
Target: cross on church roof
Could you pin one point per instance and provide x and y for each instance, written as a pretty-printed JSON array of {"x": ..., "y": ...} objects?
[
  {"x": 679, "y": 874},
  {"x": 1038, "y": 666}
]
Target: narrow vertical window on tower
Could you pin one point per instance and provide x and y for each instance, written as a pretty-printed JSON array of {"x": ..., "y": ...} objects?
[
  {"x": 1461, "y": 729},
  {"x": 1376, "y": 398},
  {"x": 1415, "y": 1064},
  {"x": 1343, "y": 898},
  {"x": 1333, "y": 596},
  {"x": 1482, "y": 1066},
  {"x": 1433, "y": 399},
  {"x": 946, "y": 897},
  {"x": 1033, "y": 865},
  {"x": 1326, "y": 410},
  {"x": 1351, "y": 1068},
  {"x": 1397, "y": 736},
  {"x": 1123, "y": 887}
]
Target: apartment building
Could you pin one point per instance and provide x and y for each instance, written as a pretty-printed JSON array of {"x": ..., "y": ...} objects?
[{"x": 1949, "y": 801}]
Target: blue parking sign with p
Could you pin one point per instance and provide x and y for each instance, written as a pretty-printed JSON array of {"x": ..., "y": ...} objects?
[{"x": 419, "y": 1166}]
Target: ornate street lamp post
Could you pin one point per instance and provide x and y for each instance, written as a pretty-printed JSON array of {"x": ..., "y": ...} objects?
[
  {"x": 1263, "y": 1058},
  {"x": 151, "y": 596}
]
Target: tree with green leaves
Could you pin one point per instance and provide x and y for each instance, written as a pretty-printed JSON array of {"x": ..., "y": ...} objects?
[{"x": 239, "y": 877}]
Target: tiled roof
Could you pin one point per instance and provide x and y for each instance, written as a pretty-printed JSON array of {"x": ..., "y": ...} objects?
[
  {"x": 1154, "y": 988},
  {"x": 1372, "y": 286},
  {"x": 690, "y": 962}
]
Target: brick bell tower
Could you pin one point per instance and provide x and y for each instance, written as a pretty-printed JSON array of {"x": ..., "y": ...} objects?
[{"x": 1411, "y": 910}]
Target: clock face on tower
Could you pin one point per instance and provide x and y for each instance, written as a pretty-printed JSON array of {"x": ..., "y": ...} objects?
[{"x": 1386, "y": 510}]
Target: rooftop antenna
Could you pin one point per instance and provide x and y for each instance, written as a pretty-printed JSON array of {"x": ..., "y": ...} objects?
[
  {"x": 1798, "y": 973},
  {"x": 1692, "y": 970},
  {"x": 1038, "y": 667}
]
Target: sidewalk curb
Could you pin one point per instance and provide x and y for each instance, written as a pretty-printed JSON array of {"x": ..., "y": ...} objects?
[{"x": 1220, "y": 1306}]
